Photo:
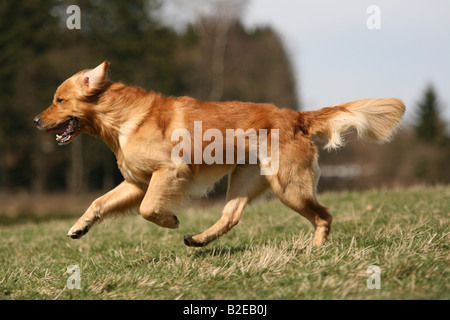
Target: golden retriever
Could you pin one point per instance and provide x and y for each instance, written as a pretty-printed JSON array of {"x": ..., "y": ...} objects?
[{"x": 169, "y": 148}]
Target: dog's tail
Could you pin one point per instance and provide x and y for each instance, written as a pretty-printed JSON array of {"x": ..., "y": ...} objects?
[{"x": 375, "y": 120}]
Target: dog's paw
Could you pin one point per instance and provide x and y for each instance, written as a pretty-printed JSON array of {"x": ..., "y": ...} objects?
[
  {"x": 77, "y": 233},
  {"x": 191, "y": 242}
]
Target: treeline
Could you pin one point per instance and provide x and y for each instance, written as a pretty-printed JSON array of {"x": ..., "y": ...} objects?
[{"x": 214, "y": 58}]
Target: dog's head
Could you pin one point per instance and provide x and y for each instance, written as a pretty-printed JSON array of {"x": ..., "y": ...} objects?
[{"x": 73, "y": 109}]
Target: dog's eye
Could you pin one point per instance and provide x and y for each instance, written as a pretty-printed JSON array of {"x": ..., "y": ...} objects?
[{"x": 59, "y": 100}]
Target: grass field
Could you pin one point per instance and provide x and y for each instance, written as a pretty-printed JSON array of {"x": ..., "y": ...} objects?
[{"x": 269, "y": 255}]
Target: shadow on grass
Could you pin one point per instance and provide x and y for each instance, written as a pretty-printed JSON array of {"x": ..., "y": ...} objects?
[{"x": 198, "y": 254}]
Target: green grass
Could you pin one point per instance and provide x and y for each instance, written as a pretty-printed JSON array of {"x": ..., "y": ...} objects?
[{"x": 269, "y": 255}]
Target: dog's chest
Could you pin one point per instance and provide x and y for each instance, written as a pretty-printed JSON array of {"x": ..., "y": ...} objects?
[
  {"x": 130, "y": 173},
  {"x": 132, "y": 166},
  {"x": 138, "y": 159},
  {"x": 142, "y": 151}
]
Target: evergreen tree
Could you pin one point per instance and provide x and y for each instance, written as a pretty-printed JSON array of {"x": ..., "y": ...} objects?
[{"x": 430, "y": 127}]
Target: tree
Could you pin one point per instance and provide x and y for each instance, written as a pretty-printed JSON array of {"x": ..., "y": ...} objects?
[
  {"x": 432, "y": 154},
  {"x": 430, "y": 127},
  {"x": 215, "y": 58},
  {"x": 254, "y": 67},
  {"x": 27, "y": 34}
]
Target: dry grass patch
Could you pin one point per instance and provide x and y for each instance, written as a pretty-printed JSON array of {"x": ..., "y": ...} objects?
[{"x": 269, "y": 255}]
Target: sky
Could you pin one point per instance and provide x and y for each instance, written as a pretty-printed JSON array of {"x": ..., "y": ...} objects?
[{"x": 337, "y": 58}]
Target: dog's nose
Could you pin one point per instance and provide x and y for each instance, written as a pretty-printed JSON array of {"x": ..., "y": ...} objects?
[{"x": 37, "y": 121}]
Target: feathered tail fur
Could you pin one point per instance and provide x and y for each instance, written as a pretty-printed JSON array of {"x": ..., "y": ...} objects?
[{"x": 375, "y": 120}]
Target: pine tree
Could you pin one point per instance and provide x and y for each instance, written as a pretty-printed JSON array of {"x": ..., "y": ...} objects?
[{"x": 430, "y": 127}]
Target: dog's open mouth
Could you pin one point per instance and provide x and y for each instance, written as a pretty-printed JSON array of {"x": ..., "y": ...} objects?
[{"x": 65, "y": 131}]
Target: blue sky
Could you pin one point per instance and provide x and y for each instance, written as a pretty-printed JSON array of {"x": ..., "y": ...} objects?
[{"x": 337, "y": 58}]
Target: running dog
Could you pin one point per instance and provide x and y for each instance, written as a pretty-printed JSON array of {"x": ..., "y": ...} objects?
[{"x": 144, "y": 130}]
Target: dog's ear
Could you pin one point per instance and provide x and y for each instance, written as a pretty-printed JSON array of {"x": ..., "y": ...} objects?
[{"x": 93, "y": 81}]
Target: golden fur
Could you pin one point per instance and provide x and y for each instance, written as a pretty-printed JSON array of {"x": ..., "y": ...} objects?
[{"x": 138, "y": 125}]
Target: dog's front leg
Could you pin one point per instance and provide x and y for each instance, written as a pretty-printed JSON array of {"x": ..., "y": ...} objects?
[
  {"x": 125, "y": 198},
  {"x": 167, "y": 188}
]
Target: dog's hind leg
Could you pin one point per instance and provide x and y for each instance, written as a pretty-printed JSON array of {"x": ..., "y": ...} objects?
[
  {"x": 295, "y": 185},
  {"x": 167, "y": 189},
  {"x": 123, "y": 199},
  {"x": 245, "y": 184}
]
